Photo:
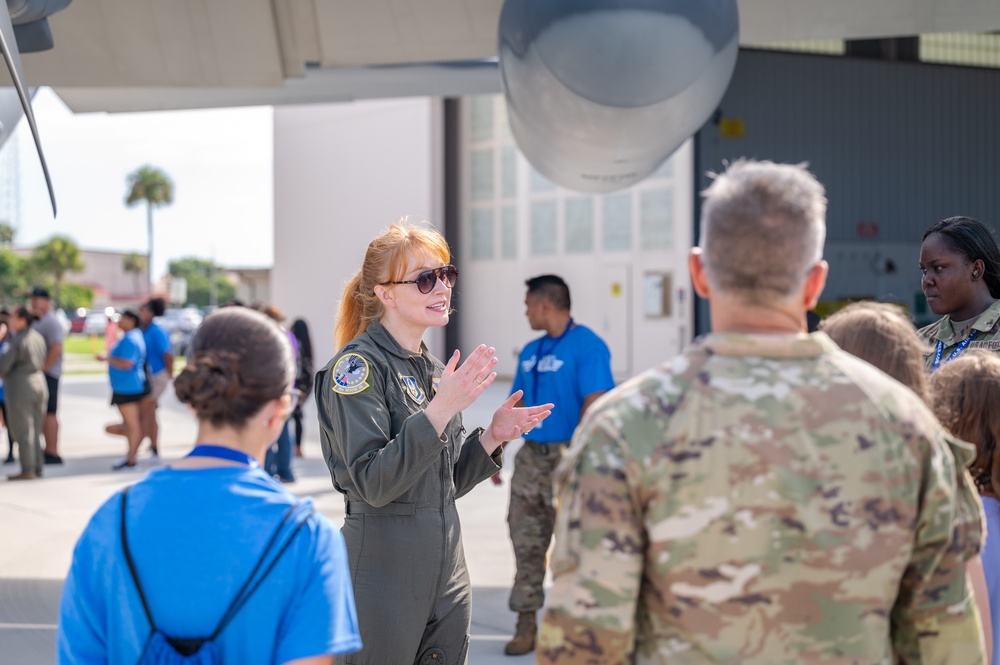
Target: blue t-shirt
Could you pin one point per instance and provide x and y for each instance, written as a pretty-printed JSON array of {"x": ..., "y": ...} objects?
[
  {"x": 195, "y": 536},
  {"x": 157, "y": 343},
  {"x": 129, "y": 381},
  {"x": 563, "y": 371}
]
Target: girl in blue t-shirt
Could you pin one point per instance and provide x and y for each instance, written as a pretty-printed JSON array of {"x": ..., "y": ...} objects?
[
  {"x": 126, "y": 369},
  {"x": 169, "y": 560}
]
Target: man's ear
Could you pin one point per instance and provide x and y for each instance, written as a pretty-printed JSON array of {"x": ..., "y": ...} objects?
[
  {"x": 815, "y": 283},
  {"x": 697, "y": 269}
]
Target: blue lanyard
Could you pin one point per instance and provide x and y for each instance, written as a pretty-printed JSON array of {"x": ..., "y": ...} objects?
[
  {"x": 221, "y": 452},
  {"x": 538, "y": 361},
  {"x": 958, "y": 349}
]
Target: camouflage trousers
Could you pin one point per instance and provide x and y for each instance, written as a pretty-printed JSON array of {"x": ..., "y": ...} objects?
[{"x": 531, "y": 519}]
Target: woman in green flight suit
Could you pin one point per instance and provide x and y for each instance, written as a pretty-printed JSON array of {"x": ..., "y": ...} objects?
[
  {"x": 392, "y": 436},
  {"x": 960, "y": 264}
]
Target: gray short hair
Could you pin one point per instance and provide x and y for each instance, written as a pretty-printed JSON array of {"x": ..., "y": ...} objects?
[{"x": 763, "y": 226}]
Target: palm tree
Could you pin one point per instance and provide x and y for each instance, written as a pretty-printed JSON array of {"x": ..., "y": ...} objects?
[
  {"x": 7, "y": 233},
  {"x": 135, "y": 263},
  {"x": 57, "y": 256},
  {"x": 149, "y": 184}
]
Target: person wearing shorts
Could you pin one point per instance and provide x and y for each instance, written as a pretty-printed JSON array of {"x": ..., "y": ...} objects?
[
  {"x": 126, "y": 370},
  {"x": 160, "y": 371}
]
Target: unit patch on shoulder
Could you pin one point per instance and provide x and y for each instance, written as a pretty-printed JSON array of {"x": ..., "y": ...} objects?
[
  {"x": 350, "y": 374},
  {"x": 412, "y": 388}
]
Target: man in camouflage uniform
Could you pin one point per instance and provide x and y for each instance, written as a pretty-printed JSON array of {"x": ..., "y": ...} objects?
[
  {"x": 765, "y": 497},
  {"x": 570, "y": 366}
]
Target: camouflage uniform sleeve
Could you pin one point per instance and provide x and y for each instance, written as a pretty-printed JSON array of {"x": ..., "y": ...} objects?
[
  {"x": 598, "y": 559},
  {"x": 935, "y": 621}
]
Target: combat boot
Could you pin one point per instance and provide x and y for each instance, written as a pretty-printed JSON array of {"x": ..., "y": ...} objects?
[{"x": 524, "y": 639}]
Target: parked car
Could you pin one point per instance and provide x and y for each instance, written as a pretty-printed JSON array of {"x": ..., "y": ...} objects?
[
  {"x": 77, "y": 320},
  {"x": 63, "y": 321},
  {"x": 95, "y": 323},
  {"x": 184, "y": 320}
]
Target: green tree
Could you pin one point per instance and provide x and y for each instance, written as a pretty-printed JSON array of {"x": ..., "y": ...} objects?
[
  {"x": 149, "y": 184},
  {"x": 199, "y": 273},
  {"x": 14, "y": 277},
  {"x": 75, "y": 296},
  {"x": 55, "y": 257},
  {"x": 135, "y": 263},
  {"x": 7, "y": 233}
]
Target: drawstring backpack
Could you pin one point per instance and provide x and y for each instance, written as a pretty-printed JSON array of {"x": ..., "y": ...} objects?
[{"x": 161, "y": 649}]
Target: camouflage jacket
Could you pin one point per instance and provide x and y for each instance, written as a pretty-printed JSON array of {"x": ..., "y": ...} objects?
[
  {"x": 760, "y": 499},
  {"x": 988, "y": 337}
]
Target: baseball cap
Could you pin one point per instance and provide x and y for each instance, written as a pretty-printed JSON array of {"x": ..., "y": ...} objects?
[{"x": 39, "y": 292}]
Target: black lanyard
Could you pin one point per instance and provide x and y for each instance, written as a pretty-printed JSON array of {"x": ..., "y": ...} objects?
[{"x": 538, "y": 360}]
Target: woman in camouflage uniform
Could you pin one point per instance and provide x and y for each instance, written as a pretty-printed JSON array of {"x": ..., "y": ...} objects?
[
  {"x": 392, "y": 435},
  {"x": 960, "y": 264}
]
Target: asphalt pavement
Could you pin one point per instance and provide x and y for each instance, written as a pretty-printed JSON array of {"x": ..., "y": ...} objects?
[{"x": 41, "y": 520}]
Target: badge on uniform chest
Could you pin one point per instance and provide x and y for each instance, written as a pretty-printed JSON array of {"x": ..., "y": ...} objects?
[{"x": 412, "y": 388}]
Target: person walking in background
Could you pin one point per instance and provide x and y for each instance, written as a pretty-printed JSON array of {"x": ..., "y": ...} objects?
[
  {"x": 25, "y": 391},
  {"x": 303, "y": 378},
  {"x": 50, "y": 329},
  {"x": 570, "y": 366},
  {"x": 960, "y": 264},
  {"x": 882, "y": 335},
  {"x": 126, "y": 370},
  {"x": 278, "y": 461},
  {"x": 160, "y": 562},
  {"x": 965, "y": 394},
  {"x": 390, "y": 417},
  {"x": 160, "y": 371},
  {"x": 723, "y": 506},
  {"x": 4, "y": 345},
  {"x": 160, "y": 363}
]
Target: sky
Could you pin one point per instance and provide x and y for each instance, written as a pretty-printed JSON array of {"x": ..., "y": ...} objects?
[{"x": 220, "y": 160}]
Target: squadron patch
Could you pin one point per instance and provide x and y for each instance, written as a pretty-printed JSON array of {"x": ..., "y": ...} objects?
[
  {"x": 412, "y": 388},
  {"x": 435, "y": 382},
  {"x": 350, "y": 374}
]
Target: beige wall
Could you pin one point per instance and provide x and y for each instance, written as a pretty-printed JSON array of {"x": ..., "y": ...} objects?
[{"x": 342, "y": 173}]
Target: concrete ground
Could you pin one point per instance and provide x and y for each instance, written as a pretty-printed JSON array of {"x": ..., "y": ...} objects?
[{"x": 41, "y": 520}]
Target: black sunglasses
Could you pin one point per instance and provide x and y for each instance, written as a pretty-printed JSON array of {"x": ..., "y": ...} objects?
[{"x": 426, "y": 280}]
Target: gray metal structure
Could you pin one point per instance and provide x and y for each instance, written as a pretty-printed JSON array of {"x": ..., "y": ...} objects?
[{"x": 898, "y": 145}]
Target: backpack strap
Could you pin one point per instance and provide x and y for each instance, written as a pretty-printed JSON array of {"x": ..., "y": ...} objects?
[
  {"x": 131, "y": 563},
  {"x": 246, "y": 591}
]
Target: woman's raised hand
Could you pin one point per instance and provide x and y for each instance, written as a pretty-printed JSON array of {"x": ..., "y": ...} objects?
[
  {"x": 510, "y": 422},
  {"x": 461, "y": 386}
]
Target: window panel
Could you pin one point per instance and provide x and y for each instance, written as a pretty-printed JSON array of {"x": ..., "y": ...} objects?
[
  {"x": 543, "y": 228},
  {"x": 616, "y": 226},
  {"x": 482, "y": 233},
  {"x": 656, "y": 220},
  {"x": 579, "y": 225},
  {"x": 508, "y": 232}
]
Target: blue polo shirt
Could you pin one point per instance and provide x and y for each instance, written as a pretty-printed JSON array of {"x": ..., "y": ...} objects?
[
  {"x": 562, "y": 370},
  {"x": 130, "y": 381},
  {"x": 157, "y": 343}
]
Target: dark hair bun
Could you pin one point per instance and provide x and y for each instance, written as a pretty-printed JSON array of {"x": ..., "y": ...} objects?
[{"x": 209, "y": 381}]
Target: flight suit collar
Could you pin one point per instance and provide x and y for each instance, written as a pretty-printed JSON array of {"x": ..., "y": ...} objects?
[
  {"x": 381, "y": 336},
  {"x": 984, "y": 323},
  {"x": 800, "y": 345}
]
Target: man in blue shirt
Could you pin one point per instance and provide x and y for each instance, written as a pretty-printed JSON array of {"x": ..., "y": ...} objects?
[
  {"x": 570, "y": 366},
  {"x": 160, "y": 366}
]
